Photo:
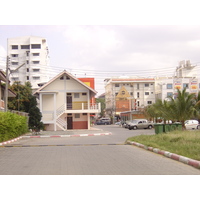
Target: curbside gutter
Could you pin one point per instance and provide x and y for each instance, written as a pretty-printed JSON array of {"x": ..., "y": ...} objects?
[{"x": 185, "y": 160}]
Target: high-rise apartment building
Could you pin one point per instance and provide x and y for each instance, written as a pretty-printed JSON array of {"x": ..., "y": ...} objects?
[{"x": 32, "y": 54}]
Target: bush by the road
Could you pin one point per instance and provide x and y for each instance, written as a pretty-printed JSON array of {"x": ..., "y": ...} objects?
[
  {"x": 185, "y": 143},
  {"x": 12, "y": 126}
]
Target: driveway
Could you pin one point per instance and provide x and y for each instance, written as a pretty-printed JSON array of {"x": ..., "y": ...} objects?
[{"x": 91, "y": 155}]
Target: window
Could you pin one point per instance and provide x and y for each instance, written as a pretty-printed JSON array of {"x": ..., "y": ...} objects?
[
  {"x": 138, "y": 103},
  {"x": 131, "y": 93},
  {"x": 138, "y": 86},
  {"x": 27, "y": 78},
  {"x": 14, "y": 46},
  {"x": 62, "y": 78},
  {"x": 138, "y": 95},
  {"x": 146, "y": 93},
  {"x": 14, "y": 55},
  {"x": 36, "y": 54},
  {"x": 14, "y": 63},
  {"x": 35, "y": 46},
  {"x": 123, "y": 92},
  {"x": 36, "y": 62},
  {"x": 77, "y": 115},
  {"x": 146, "y": 85},
  {"x": 15, "y": 79},
  {"x": 131, "y": 85},
  {"x": 185, "y": 85},
  {"x": 149, "y": 102},
  {"x": 116, "y": 93},
  {"x": 36, "y": 78},
  {"x": 27, "y": 62},
  {"x": 36, "y": 70},
  {"x": 169, "y": 94},
  {"x": 169, "y": 86},
  {"x": 25, "y": 46},
  {"x": 117, "y": 85},
  {"x": 84, "y": 94},
  {"x": 76, "y": 95},
  {"x": 27, "y": 70},
  {"x": 84, "y": 113}
]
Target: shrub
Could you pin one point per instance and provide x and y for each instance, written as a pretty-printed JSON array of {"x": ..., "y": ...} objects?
[{"x": 12, "y": 126}]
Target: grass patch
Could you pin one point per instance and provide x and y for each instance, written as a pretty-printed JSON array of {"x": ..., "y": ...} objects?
[{"x": 185, "y": 143}]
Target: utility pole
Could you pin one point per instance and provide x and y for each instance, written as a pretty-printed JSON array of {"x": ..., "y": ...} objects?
[{"x": 7, "y": 82}]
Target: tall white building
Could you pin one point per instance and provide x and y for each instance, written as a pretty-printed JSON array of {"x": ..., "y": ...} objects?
[{"x": 34, "y": 54}]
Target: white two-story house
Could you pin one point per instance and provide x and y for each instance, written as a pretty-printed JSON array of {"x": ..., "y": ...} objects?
[{"x": 66, "y": 103}]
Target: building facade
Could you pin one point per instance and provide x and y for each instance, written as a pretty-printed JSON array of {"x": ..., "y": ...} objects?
[
  {"x": 66, "y": 102},
  {"x": 128, "y": 94},
  {"x": 186, "y": 76},
  {"x": 32, "y": 54}
]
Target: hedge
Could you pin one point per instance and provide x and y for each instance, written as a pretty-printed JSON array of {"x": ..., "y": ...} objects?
[{"x": 12, "y": 126}]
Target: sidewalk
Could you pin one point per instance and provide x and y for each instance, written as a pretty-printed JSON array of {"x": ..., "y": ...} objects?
[{"x": 69, "y": 133}]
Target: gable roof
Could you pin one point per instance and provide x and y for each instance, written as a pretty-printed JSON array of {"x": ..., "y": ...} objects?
[
  {"x": 68, "y": 74},
  {"x": 125, "y": 93},
  {"x": 2, "y": 76}
]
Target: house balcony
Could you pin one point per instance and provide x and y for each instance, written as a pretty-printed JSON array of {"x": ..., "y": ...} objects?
[
  {"x": 48, "y": 116},
  {"x": 76, "y": 107}
]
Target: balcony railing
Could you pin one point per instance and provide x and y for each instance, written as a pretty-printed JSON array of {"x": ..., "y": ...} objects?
[{"x": 81, "y": 106}]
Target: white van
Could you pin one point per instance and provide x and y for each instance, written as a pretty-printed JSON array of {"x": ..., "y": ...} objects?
[{"x": 192, "y": 124}]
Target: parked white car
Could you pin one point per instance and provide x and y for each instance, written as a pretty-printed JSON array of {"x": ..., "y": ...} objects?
[
  {"x": 140, "y": 123},
  {"x": 192, "y": 124}
]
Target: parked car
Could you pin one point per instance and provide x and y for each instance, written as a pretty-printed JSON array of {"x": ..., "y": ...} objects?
[
  {"x": 118, "y": 123},
  {"x": 103, "y": 121},
  {"x": 140, "y": 123},
  {"x": 192, "y": 124},
  {"x": 126, "y": 124}
]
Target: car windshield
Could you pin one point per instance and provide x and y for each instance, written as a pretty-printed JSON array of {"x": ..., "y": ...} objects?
[{"x": 134, "y": 121}]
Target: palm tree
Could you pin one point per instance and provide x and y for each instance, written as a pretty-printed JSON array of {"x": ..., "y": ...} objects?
[{"x": 182, "y": 107}]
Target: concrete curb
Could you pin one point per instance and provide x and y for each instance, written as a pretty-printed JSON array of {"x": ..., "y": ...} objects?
[
  {"x": 77, "y": 135},
  {"x": 52, "y": 136},
  {"x": 9, "y": 141},
  {"x": 185, "y": 160}
]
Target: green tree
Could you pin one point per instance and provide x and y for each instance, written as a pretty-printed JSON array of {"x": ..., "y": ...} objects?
[
  {"x": 26, "y": 102},
  {"x": 103, "y": 106},
  {"x": 22, "y": 99},
  {"x": 35, "y": 115},
  {"x": 185, "y": 106}
]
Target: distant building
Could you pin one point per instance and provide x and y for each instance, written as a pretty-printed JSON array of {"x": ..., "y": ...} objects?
[
  {"x": 128, "y": 94},
  {"x": 186, "y": 76},
  {"x": 34, "y": 54}
]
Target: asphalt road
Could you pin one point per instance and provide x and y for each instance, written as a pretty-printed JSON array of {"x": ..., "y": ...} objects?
[{"x": 91, "y": 155}]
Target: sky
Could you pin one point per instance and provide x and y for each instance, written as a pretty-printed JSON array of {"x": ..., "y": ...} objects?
[
  {"x": 103, "y": 39},
  {"x": 104, "y": 51}
]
